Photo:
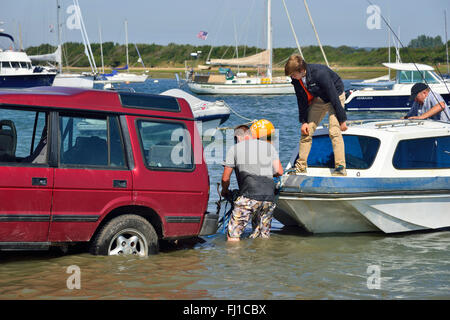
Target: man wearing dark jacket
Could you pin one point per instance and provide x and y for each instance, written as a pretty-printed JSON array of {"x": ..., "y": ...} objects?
[{"x": 319, "y": 90}]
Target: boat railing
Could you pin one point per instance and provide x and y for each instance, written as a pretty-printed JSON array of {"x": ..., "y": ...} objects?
[
  {"x": 357, "y": 122},
  {"x": 386, "y": 123},
  {"x": 398, "y": 123}
]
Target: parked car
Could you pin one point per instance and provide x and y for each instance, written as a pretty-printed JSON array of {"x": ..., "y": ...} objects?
[{"x": 118, "y": 170}]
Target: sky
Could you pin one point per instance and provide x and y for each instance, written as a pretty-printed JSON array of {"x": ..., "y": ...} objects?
[{"x": 338, "y": 22}]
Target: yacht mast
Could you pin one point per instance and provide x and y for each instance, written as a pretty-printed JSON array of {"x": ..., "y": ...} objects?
[
  {"x": 269, "y": 38},
  {"x": 58, "y": 29},
  {"x": 101, "y": 46},
  {"x": 293, "y": 31},
  {"x": 236, "y": 42},
  {"x": 389, "y": 43},
  {"x": 315, "y": 31},
  {"x": 126, "y": 44},
  {"x": 84, "y": 36},
  {"x": 446, "y": 40}
]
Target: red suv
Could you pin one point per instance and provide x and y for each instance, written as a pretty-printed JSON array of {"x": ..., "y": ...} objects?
[{"x": 119, "y": 170}]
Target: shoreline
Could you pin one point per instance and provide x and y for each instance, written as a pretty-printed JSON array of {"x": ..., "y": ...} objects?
[
  {"x": 345, "y": 72},
  {"x": 351, "y": 72}
]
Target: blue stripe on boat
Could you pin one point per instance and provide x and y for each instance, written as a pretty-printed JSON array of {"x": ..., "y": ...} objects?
[{"x": 337, "y": 185}]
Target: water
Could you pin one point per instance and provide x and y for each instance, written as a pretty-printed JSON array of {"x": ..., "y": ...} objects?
[{"x": 291, "y": 265}]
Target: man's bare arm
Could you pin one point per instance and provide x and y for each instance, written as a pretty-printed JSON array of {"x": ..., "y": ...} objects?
[
  {"x": 435, "y": 110},
  {"x": 226, "y": 180}
]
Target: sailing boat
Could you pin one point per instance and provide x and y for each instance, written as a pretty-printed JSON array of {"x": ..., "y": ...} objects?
[
  {"x": 83, "y": 80},
  {"x": 76, "y": 80},
  {"x": 115, "y": 76},
  {"x": 230, "y": 84}
]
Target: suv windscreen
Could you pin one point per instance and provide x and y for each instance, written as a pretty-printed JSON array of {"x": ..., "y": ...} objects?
[
  {"x": 23, "y": 136},
  {"x": 90, "y": 141},
  {"x": 165, "y": 145}
]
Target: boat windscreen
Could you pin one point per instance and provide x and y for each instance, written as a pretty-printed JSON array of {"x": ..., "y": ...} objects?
[{"x": 360, "y": 152}]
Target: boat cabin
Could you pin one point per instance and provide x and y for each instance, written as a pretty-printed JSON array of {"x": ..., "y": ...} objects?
[
  {"x": 407, "y": 73},
  {"x": 391, "y": 148}
]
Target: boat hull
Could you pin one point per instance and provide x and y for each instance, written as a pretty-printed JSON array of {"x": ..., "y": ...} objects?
[
  {"x": 244, "y": 89},
  {"x": 123, "y": 77},
  {"x": 74, "y": 80},
  {"x": 383, "y": 103},
  {"x": 27, "y": 80},
  {"x": 348, "y": 205},
  {"x": 349, "y": 215}
]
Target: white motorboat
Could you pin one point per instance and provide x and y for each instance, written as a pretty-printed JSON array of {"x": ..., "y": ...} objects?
[
  {"x": 398, "y": 180},
  {"x": 211, "y": 113},
  {"x": 17, "y": 71},
  {"x": 394, "y": 96}
]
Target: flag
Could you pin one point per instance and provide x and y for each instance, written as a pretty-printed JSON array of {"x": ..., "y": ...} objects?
[
  {"x": 202, "y": 35},
  {"x": 51, "y": 28}
]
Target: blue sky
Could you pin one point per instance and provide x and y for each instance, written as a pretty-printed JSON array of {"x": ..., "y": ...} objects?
[{"x": 338, "y": 22}]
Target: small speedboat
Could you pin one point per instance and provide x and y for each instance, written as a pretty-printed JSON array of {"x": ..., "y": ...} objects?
[
  {"x": 398, "y": 180},
  {"x": 210, "y": 114},
  {"x": 394, "y": 96}
]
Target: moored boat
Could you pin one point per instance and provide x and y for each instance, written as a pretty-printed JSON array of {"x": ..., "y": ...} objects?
[
  {"x": 394, "y": 96},
  {"x": 211, "y": 114},
  {"x": 242, "y": 84},
  {"x": 17, "y": 71},
  {"x": 398, "y": 180}
]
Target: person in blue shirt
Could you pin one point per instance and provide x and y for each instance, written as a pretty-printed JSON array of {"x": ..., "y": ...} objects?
[{"x": 427, "y": 104}]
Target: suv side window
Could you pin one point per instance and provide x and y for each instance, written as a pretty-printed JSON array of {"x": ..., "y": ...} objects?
[
  {"x": 90, "y": 141},
  {"x": 23, "y": 136},
  {"x": 165, "y": 145}
]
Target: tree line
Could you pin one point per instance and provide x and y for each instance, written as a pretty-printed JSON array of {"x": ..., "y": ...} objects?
[{"x": 175, "y": 55}]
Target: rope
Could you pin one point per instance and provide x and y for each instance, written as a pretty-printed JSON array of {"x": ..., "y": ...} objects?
[
  {"x": 241, "y": 116},
  {"x": 232, "y": 128}
]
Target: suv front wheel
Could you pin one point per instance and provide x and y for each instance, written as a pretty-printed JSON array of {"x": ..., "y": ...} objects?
[{"x": 126, "y": 235}]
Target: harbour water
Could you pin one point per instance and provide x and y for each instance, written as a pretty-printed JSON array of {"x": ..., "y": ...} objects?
[{"x": 291, "y": 265}]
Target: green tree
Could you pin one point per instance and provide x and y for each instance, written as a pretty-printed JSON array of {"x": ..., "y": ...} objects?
[{"x": 424, "y": 41}]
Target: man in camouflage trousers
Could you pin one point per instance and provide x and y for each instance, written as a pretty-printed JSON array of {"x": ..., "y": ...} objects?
[{"x": 256, "y": 162}]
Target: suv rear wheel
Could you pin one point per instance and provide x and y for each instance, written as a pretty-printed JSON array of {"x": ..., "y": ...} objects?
[{"x": 126, "y": 235}]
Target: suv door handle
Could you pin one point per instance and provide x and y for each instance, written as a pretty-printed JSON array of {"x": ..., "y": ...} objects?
[
  {"x": 119, "y": 183},
  {"x": 38, "y": 181}
]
